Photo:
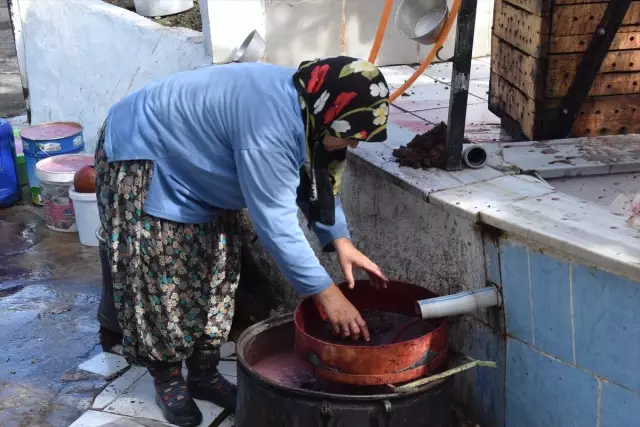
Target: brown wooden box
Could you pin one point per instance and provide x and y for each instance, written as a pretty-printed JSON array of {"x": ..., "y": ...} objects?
[{"x": 536, "y": 50}]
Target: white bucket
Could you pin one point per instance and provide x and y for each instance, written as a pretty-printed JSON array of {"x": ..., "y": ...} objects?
[
  {"x": 85, "y": 206},
  {"x": 56, "y": 176}
]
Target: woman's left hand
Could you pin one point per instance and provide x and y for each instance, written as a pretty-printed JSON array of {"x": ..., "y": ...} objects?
[{"x": 350, "y": 257}]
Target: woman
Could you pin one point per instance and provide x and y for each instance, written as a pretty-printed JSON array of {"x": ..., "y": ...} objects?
[{"x": 175, "y": 163}]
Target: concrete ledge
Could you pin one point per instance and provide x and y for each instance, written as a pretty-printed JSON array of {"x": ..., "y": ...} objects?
[{"x": 520, "y": 205}]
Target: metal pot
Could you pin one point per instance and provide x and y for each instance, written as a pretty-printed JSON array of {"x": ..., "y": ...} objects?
[
  {"x": 380, "y": 362},
  {"x": 422, "y": 20},
  {"x": 251, "y": 49},
  {"x": 266, "y": 403},
  {"x": 161, "y": 7}
]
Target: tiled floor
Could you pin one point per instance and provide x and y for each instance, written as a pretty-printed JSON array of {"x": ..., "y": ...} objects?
[
  {"x": 426, "y": 103},
  {"x": 131, "y": 396}
]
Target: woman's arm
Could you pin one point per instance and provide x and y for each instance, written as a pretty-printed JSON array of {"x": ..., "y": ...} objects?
[
  {"x": 327, "y": 234},
  {"x": 269, "y": 180}
]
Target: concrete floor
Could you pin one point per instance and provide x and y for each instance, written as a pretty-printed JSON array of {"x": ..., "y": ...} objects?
[
  {"x": 49, "y": 294},
  {"x": 11, "y": 97}
]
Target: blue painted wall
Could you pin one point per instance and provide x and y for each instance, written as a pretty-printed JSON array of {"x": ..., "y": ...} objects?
[{"x": 573, "y": 341}]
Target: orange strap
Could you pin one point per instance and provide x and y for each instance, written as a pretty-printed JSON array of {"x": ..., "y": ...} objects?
[{"x": 382, "y": 26}]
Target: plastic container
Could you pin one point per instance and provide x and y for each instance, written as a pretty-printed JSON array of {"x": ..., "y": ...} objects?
[
  {"x": 85, "y": 207},
  {"x": 47, "y": 140},
  {"x": 55, "y": 175},
  {"x": 9, "y": 189}
]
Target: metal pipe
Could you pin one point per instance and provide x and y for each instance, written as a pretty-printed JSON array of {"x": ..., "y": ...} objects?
[
  {"x": 461, "y": 69},
  {"x": 474, "y": 156},
  {"x": 461, "y": 303}
]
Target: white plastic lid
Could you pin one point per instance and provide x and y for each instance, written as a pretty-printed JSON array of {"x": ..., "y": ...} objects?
[{"x": 61, "y": 169}]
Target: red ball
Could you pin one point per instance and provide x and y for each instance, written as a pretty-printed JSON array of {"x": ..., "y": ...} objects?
[{"x": 84, "y": 181}]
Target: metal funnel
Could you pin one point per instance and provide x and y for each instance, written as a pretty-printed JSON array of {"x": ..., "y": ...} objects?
[
  {"x": 251, "y": 49},
  {"x": 422, "y": 20}
]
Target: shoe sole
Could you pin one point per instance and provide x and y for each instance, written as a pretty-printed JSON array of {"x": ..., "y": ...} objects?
[
  {"x": 179, "y": 421},
  {"x": 217, "y": 402}
]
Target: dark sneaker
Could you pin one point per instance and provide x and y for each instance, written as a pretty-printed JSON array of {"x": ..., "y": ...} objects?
[
  {"x": 214, "y": 388},
  {"x": 204, "y": 380},
  {"x": 173, "y": 398}
]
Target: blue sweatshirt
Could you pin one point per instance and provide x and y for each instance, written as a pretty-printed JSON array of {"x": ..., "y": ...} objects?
[{"x": 226, "y": 137}]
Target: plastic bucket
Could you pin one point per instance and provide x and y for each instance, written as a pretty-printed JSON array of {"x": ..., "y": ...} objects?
[
  {"x": 47, "y": 140},
  {"x": 56, "y": 177},
  {"x": 85, "y": 207}
]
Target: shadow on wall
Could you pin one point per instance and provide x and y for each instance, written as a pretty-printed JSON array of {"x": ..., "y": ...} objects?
[{"x": 316, "y": 25}]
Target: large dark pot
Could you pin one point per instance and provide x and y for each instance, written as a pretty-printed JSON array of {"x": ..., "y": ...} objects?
[{"x": 265, "y": 403}]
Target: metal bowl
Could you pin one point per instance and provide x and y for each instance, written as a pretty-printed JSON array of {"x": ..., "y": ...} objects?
[
  {"x": 251, "y": 49},
  {"x": 376, "y": 363},
  {"x": 422, "y": 20}
]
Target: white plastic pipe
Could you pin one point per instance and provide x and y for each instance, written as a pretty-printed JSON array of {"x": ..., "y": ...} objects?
[
  {"x": 474, "y": 156},
  {"x": 461, "y": 303}
]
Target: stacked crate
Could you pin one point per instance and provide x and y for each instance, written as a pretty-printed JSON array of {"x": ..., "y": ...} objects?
[{"x": 537, "y": 46}]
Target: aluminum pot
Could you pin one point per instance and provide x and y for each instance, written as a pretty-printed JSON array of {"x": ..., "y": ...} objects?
[
  {"x": 161, "y": 7},
  {"x": 251, "y": 49},
  {"x": 422, "y": 20}
]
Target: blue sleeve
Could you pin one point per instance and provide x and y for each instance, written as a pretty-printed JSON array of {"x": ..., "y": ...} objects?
[
  {"x": 268, "y": 180},
  {"x": 328, "y": 233}
]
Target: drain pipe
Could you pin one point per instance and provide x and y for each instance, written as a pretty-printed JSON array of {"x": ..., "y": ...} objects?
[
  {"x": 474, "y": 156},
  {"x": 461, "y": 303}
]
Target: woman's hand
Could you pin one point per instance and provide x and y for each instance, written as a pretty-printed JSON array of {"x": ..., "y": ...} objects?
[
  {"x": 350, "y": 257},
  {"x": 344, "y": 317}
]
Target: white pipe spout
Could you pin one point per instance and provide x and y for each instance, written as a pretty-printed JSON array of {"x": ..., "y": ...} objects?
[{"x": 461, "y": 303}]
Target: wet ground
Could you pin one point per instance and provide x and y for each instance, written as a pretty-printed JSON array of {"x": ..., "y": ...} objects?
[{"x": 49, "y": 294}]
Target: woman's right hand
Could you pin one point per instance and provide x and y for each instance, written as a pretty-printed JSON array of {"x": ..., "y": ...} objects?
[{"x": 344, "y": 317}]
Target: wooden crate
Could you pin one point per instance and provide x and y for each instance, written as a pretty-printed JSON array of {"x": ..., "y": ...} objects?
[{"x": 536, "y": 49}]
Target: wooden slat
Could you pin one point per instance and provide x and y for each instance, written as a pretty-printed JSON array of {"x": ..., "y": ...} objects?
[
  {"x": 604, "y": 84},
  {"x": 577, "y": 19},
  {"x": 521, "y": 29},
  {"x": 536, "y": 7},
  {"x": 507, "y": 98},
  {"x": 628, "y": 37},
  {"x": 609, "y": 115},
  {"x": 521, "y": 70},
  {"x": 600, "y": 115},
  {"x": 625, "y": 64}
]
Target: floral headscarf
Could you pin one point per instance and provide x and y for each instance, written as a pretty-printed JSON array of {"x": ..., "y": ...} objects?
[{"x": 343, "y": 97}]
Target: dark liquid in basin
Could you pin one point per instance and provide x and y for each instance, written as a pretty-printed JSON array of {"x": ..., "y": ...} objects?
[{"x": 384, "y": 327}]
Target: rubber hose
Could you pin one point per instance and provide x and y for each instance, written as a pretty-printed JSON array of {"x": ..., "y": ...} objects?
[{"x": 382, "y": 26}]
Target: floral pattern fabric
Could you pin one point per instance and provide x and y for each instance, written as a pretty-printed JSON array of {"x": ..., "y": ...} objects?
[
  {"x": 343, "y": 97},
  {"x": 174, "y": 283}
]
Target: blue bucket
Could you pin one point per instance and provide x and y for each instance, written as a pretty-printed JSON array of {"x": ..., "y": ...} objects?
[{"x": 47, "y": 140}]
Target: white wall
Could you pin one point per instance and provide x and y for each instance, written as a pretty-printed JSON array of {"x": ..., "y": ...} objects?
[
  {"x": 82, "y": 56},
  {"x": 297, "y": 30}
]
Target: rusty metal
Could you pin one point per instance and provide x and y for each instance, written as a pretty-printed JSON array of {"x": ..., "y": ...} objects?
[{"x": 373, "y": 364}]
